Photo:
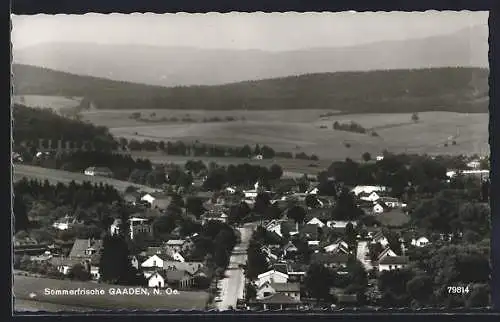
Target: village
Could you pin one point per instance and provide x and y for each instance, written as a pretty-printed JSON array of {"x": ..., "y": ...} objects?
[{"x": 298, "y": 243}]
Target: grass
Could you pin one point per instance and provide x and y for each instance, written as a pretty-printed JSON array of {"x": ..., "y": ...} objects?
[
  {"x": 300, "y": 131},
  {"x": 55, "y": 176},
  {"x": 185, "y": 300}
]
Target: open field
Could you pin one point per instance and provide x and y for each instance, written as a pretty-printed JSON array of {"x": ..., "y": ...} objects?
[
  {"x": 292, "y": 167},
  {"x": 25, "y": 286},
  {"x": 55, "y": 176},
  {"x": 46, "y": 101},
  {"x": 300, "y": 131}
]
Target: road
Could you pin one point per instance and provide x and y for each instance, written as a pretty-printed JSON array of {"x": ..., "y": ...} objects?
[
  {"x": 55, "y": 176},
  {"x": 362, "y": 255},
  {"x": 233, "y": 285}
]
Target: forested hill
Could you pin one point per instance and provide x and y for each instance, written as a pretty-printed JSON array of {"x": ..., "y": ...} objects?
[
  {"x": 444, "y": 89},
  {"x": 31, "y": 124}
]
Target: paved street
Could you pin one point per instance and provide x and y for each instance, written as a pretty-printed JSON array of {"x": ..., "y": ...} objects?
[
  {"x": 362, "y": 255},
  {"x": 232, "y": 287}
]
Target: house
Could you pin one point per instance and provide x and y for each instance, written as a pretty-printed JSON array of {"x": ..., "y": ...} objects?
[
  {"x": 157, "y": 200},
  {"x": 258, "y": 157},
  {"x": 390, "y": 202},
  {"x": 330, "y": 260},
  {"x": 339, "y": 224},
  {"x": 289, "y": 249},
  {"x": 420, "y": 242},
  {"x": 474, "y": 164},
  {"x": 310, "y": 232},
  {"x": 64, "y": 264},
  {"x": 86, "y": 248},
  {"x": 98, "y": 171},
  {"x": 215, "y": 216},
  {"x": 275, "y": 227},
  {"x": 380, "y": 207},
  {"x": 175, "y": 245},
  {"x": 338, "y": 247},
  {"x": 132, "y": 197},
  {"x": 296, "y": 271},
  {"x": 272, "y": 276},
  {"x": 386, "y": 252},
  {"x": 114, "y": 229},
  {"x": 231, "y": 190},
  {"x": 368, "y": 189},
  {"x": 65, "y": 223},
  {"x": 379, "y": 158},
  {"x": 380, "y": 238},
  {"x": 390, "y": 263},
  {"x": 277, "y": 301},
  {"x": 289, "y": 289},
  {"x": 134, "y": 260},
  {"x": 315, "y": 221},
  {"x": 157, "y": 280},
  {"x": 139, "y": 226},
  {"x": 181, "y": 279},
  {"x": 373, "y": 196},
  {"x": 313, "y": 191}
]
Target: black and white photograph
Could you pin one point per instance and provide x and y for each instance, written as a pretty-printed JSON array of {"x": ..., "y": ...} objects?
[{"x": 250, "y": 162}]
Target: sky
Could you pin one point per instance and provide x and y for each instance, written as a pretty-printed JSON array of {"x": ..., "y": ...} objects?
[{"x": 263, "y": 31}]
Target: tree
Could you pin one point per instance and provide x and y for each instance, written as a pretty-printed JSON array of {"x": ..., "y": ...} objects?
[
  {"x": 297, "y": 213},
  {"x": 194, "y": 206},
  {"x": 350, "y": 234},
  {"x": 366, "y": 157},
  {"x": 250, "y": 292},
  {"x": 479, "y": 296},
  {"x": 415, "y": 118},
  {"x": 421, "y": 288},
  {"x": 346, "y": 208},
  {"x": 318, "y": 282},
  {"x": 275, "y": 172},
  {"x": 115, "y": 266},
  {"x": 21, "y": 221},
  {"x": 79, "y": 272},
  {"x": 393, "y": 286},
  {"x": 262, "y": 202}
]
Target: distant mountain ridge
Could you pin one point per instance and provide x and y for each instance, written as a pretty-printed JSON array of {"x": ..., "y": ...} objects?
[
  {"x": 390, "y": 91},
  {"x": 180, "y": 66}
]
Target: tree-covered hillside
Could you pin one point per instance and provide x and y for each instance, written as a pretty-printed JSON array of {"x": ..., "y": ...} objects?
[
  {"x": 443, "y": 89},
  {"x": 32, "y": 124}
]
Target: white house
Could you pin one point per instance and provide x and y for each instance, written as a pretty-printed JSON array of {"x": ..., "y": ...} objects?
[
  {"x": 258, "y": 157},
  {"x": 65, "y": 223},
  {"x": 175, "y": 245},
  {"x": 390, "y": 263},
  {"x": 379, "y": 157},
  {"x": 368, "y": 189},
  {"x": 275, "y": 227},
  {"x": 177, "y": 256},
  {"x": 373, "y": 196},
  {"x": 390, "y": 202},
  {"x": 156, "y": 280},
  {"x": 157, "y": 200},
  {"x": 340, "y": 224},
  {"x": 271, "y": 276},
  {"x": 139, "y": 226},
  {"x": 379, "y": 208},
  {"x": 115, "y": 227},
  {"x": 316, "y": 221},
  {"x": 420, "y": 242},
  {"x": 250, "y": 194},
  {"x": 231, "y": 190},
  {"x": 380, "y": 238},
  {"x": 153, "y": 262},
  {"x": 474, "y": 164}
]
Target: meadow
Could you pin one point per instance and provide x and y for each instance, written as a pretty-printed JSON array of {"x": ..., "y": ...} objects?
[
  {"x": 24, "y": 286},
  {"x": 56, "y": 103},
  {"x": 307, "y": 131}
]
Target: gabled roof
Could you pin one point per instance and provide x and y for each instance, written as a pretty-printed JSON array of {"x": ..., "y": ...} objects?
[
  {"x": 281, "y": 267},
  {"x": 272, "y": 271},
  {"x": 394, "y": 260},
  {"x": 81, "y": 245},
  {"x": 286, "y": 287},
  {"x": 175, "y": 242},
  {"x": 65, "y": 261},
  {"x": 176, "y": 275}
]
